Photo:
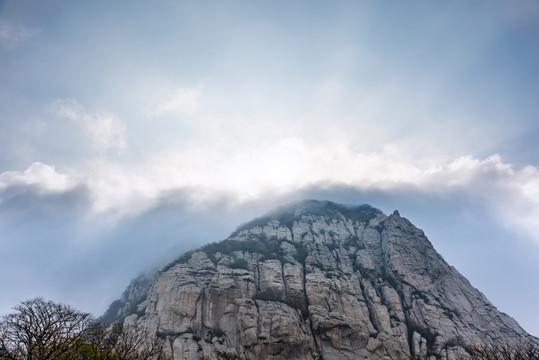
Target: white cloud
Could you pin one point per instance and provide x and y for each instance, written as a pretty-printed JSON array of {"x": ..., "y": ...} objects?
[
  {"x": 11, "y": 35},
  {"x": 104, "y": 129},
  {"x": 292, "y": 164},
  {"x": 205, "y": 174},
  {"x": 41, "y": 175},
  {"x": 182, "y": 101}
]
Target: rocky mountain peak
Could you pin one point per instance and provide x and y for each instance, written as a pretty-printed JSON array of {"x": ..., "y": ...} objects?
[{"x": 316, "y": 280}]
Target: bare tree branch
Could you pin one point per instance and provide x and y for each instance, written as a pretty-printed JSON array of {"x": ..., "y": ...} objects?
[
  {"x": 44, "y": 330},
  {"x": 41, "y": 330}
]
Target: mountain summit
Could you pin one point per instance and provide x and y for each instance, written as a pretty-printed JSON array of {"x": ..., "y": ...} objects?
[{"x": 315, "y": 280}]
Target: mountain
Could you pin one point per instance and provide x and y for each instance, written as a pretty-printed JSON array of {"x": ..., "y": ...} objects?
[{"x": 315, "y": 280}]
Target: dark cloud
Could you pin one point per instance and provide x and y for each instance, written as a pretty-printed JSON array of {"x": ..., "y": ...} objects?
[
  {"x": 37, "y": 229},
  {"x": 52, "y": 245},
  {"x": 32, "y": 201}
]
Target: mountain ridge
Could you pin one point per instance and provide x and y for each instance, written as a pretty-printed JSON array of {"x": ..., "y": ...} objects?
[{"x": 316, "y": 279}]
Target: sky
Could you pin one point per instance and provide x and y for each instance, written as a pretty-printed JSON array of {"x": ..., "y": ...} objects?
[{"x": 132, "y": 131}]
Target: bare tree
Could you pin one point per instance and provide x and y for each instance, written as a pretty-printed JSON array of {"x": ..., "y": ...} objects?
[
  {"x": 44, "y": 330},
  {"x": 123, "y": 342},
  {"x": 41, "y": 330}
]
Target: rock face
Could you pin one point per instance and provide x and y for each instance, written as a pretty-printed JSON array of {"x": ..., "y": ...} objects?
[{"x": 316, "y": 280}]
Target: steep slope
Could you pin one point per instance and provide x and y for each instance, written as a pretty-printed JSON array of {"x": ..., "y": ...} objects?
[{"x": 316, "y": 280}]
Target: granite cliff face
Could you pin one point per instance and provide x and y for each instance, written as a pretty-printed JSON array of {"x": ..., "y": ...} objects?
[{"x": 315, "y": 280}]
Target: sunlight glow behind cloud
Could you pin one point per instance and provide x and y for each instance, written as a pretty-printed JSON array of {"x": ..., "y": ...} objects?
[{"x": 288, "y": 166}]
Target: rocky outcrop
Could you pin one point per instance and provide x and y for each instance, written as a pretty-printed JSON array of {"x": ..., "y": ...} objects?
[
  {"x": 317, "y": 280},
  {"x": 135, "y": 293}
]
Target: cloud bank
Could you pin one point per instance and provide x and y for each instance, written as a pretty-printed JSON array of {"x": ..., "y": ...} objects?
[{"x": 287, "y": 167}]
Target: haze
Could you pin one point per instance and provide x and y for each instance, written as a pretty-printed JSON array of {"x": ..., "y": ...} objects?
[{"x": 133, "y": 131}]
